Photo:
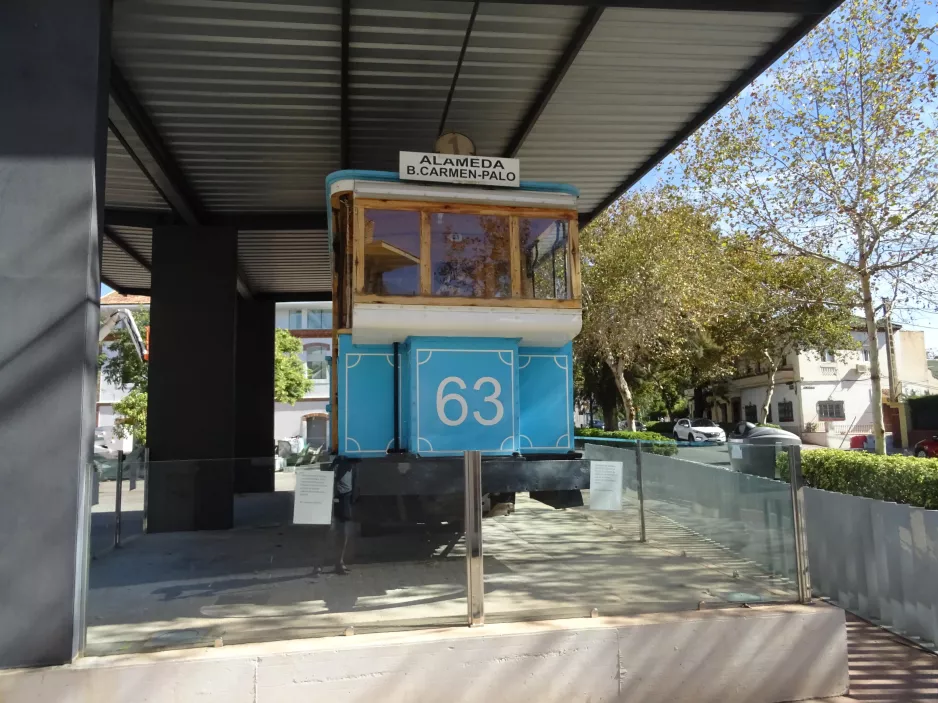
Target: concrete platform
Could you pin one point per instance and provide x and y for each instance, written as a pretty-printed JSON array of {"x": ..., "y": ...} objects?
[
  {"x": 766, "y": 654},
  {"x": 260, "y": 582}
]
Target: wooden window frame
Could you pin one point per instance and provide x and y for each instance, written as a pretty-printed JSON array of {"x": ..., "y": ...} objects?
[{"x": 425, "y": 209}]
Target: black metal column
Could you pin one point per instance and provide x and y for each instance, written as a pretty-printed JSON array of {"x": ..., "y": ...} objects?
[
  {"x": 254, "y": 406},
  {"x": 53, "y": 134},
  {"x": 191, "y": 408}
]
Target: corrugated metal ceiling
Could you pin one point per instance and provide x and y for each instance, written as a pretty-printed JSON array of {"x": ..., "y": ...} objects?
[
  {"x": 125, "y": 184},
  {"x": 247, "y": 97},
  {"x": 245, "y": 93},
  {"x": 402, "y": 58},
  {"x": 119, "y": 267},
  {"x": 285, "y": 262}
]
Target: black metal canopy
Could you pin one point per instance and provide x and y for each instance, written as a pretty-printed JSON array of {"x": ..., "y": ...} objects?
[{"x": 232, "y": 112}]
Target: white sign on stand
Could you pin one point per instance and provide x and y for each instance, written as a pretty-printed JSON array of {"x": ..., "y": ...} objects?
[
  {"x": 312, "y": 497},
  {"x": 468, "y": 170},
  {"x": 605, "y": 485}
]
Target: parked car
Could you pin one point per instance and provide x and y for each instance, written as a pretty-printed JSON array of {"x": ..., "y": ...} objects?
[
  {"x": 927, "y": 448},
  {"x": 699, "y": 430},
  {"x": 597, "y": 424}
]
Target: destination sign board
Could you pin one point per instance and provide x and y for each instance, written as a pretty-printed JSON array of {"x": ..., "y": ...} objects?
[{"x": 466, "y": 170}]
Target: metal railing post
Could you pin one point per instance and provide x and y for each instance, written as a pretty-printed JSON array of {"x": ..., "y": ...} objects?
[
  {"x": 641, "y": 491},
  {"x": 117, "y": 499},
  {"x": 146, "y": 483},
  {"x": 473, "y": 521},
  {"x": 801, "y": 537}
]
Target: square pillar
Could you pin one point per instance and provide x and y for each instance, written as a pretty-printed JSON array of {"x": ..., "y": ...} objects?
[
  {"x": 254, "y": 397},
  {"x": 53, "y": 133},
  {"x": 191, "y": 404}
]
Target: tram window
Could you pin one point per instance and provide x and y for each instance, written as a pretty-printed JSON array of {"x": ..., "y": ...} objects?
[
  {"x": 544, "y": 250},
  {"x": 470, "y": 255},
  {"x": 392, "y": 252}
]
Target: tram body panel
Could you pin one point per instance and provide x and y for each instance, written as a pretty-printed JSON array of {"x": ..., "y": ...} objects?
[{"x": 546, "y": 393}]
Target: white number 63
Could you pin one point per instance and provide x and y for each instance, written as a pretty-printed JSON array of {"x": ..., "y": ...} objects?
[{"x": 442, "y": 399}]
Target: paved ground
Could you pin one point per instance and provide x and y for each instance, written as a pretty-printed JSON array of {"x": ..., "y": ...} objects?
[
  {"x": 885, "y": 669},
  {"x": 260, "y": 580},
  {"x": 715, "y": 455}
]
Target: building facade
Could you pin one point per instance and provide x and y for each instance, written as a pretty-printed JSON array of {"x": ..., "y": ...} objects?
[{"x": 829, "y": 393}]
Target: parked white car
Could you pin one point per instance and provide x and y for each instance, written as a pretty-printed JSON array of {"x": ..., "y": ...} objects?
[{"x": 699, "y": 431}]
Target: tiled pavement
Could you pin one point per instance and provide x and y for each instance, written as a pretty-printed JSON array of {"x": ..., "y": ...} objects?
[{"x": 885, "y": 669}]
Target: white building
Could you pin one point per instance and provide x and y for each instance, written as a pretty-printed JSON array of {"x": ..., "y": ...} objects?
[
  {"x": 825, "y": 393},
  {"x": 309, "y": 418},
  {"x": 310, "y": 322}
]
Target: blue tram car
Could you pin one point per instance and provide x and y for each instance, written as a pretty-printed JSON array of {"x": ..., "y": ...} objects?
[{"x": 454, "y": 311}]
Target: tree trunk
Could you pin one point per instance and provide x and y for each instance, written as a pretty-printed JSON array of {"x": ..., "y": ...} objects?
[
  {"x": 698, "y": 401},
  {"x": 609, "y": 415},
  {"x": 773, "y": 370},
  {"x": 879, "y": 432},
  {"x": 618, "y": 373}
]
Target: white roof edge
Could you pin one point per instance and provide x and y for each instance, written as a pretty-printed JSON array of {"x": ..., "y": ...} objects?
[{"x": 454, "y": 194}]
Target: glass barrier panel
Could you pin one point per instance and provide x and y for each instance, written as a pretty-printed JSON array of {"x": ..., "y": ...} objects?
[
  {"x": 713, "y": 537},
  {"x": 392, "y": 252},
  {"x": 559, "y": 553},
  {"x": 369, "y": 546},
  {"x": 544, "y": 244},
  {"x": 470, "y": 256},
  {"x": 724, "y": 501},
  {"x": 116, "y": 506}
]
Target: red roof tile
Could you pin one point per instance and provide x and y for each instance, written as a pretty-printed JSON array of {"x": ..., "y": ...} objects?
[{"x": 115, "y": 298}]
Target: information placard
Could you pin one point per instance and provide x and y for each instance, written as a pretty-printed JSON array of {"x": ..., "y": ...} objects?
[
  {"x": 605, "y": 485},
  {"x": 312, "y": 497}
]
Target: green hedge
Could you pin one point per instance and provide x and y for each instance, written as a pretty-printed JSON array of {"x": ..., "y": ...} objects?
[
  {"x": 896, "y": 478},
  {"x": 665, "y": 428},
  {"x": 657, "y": 443}
]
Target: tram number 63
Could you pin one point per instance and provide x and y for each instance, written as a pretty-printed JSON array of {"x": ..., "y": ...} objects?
[{"x": 442, "y": 399}]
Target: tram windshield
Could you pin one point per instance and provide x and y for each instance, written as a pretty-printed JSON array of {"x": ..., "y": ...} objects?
[
  {"x": 470, "y": 256},
  {"x": 427, "y": 250}
]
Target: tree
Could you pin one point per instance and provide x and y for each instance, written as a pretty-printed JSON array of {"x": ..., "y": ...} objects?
[
  {"x": 291, "y": 382},
  {"x": 650, "y": 279},
  {"x": 132, "y": 416},
  {"x": 834, "y": 155},
  {"x": 784, "y": 304},
  {"x": 123, "y": 367},
  {"x": 593, "y": 381}
]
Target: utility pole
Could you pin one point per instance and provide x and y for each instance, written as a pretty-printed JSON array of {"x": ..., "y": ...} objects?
[{"x": 890, "y": 354}]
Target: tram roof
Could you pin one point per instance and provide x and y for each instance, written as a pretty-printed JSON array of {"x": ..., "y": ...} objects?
[{"x": 233, "y": 112}]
